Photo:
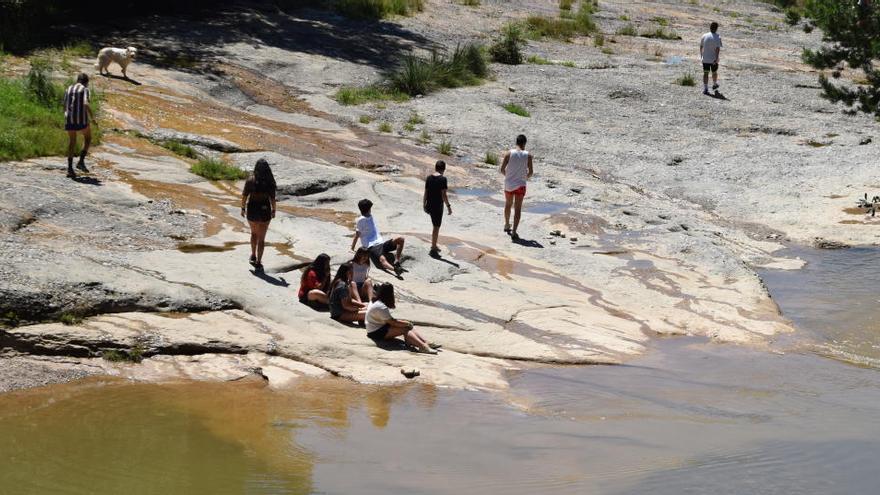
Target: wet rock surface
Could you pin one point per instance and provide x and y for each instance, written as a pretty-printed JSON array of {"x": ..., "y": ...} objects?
[{"x": 650, "y": 235}]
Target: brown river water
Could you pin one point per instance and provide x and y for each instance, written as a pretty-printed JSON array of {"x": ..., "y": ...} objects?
[{"x": 690, "y": 416}]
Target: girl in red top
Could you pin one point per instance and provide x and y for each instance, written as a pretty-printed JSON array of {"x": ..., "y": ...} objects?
[{"x": 315, "y": 283}]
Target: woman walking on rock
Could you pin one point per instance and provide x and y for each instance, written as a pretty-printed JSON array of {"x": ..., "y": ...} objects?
[{"x": 258, "y": 205}]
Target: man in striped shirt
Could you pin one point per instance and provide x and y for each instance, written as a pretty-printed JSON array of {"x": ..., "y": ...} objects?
[{"x": 77, "y": 116}]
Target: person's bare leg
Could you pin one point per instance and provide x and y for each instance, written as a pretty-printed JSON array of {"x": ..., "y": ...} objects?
[
  {"x": 368, "y": 290},
  {"x": 254, "y": 234},
  {"x": 385, "y": 264},
  {"x": 434, "y": 235},
  {"x": 715, "y": 78},
  {"x": 261, "y": 240},
  {"x": 517, "y": 213},
  {"x": 508, "y": 202},
  {"x": 355, "y": 293},
  {"x": 318, "y": 296},
  {"x": 400, "y": 242},
  {"x": 413, "y": 339},
  {"x": 705, "y": 79}
]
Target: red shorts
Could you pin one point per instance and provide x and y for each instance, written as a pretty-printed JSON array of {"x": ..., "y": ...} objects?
[{"x": 520, "y": 191}]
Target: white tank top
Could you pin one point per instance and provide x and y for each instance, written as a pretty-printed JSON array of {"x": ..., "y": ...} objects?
[{"x": 517, "y": 170}]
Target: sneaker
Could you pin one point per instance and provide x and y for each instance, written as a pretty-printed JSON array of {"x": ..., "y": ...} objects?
[
  {"x": 71, "y": 173},
  {"x": 398, "y": 269},
  {"x": 82, "y": 166},
  {"x": 434, "y": 345},
  {"x": 434, "y": 252},
  {"x": 258, "y": 267},
  {"x": 715, "y": 86},
  {"x": 514, "y": 236},
  {"x": 507, "y": 228},
  {"x": 427, "y": 350},
  {"x": 706, "y": 92},
  {"x": 253, "y": 260}
]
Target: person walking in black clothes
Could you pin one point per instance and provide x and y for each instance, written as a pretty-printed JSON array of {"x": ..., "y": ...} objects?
[
  {"x": 258, "y": 205},
  {"x": 77, "y": 118},
  {"x": 434, "y": 199}
]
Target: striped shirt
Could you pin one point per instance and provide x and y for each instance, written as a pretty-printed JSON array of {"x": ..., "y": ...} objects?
[{"x": 75, "y": 100}]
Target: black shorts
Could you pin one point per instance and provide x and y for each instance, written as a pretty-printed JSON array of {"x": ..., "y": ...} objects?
[
  {"x": 379, "y": 250},
  {"x": 75, "y": 127},
  {"x": 436, "y": 215},
  {"x": 379, "y": 334},
  {"x": 259, "y": 212},
  {"x": 712, "y": 67}
]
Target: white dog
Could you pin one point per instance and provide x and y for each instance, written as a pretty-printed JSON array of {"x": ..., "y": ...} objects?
[{"x": 122, "y": 56}]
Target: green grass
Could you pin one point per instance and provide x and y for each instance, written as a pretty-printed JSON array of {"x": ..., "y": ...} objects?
[
  {"x": 565, "y": 4},
  {"x": 10, "y": 319},
  {"x": 465, "y": 66},
  {"x": 565, "y": 27},
  {"x": 409, "y": 127},
  {"x": 352, "y": 95},
  {"x": 179, "y": 148},
  {"x": 607, "y": 50},
  {"x": 385, "y": 127},
  {"x": 517, "y": 110},
  {"x": 424, "y": 137},
  {"x": 32, "y": 118},
  {"x": 365, "y": 119},
  {"x": 470, "y": 3},
  {"x": 662, "y": 21},
  {"x": 686, "y": 80},
  {"x": 378, "y": 9},
  {"x": 444, "y": 147},
  {"x": 415, "y": 119},
  {"x": 217, "y": 169},
  {"x": 538, "y": 60},
  {"x": 491, "y": 158},
  {"x": 599, "y": 40},
  {"x": 568, "y": 63}
]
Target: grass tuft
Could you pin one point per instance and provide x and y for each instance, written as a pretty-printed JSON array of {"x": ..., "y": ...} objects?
[
  {"x": 686, "y": 80},
  {"x": 385, "y": 127},
  {"x": 517, "y": 110},
  {"x": 660, "y": 33},
  {"x": 491, "y": 158},
  {"x": 70, "y": 319},
  {"x": 350, "y": 95},
  {"x": 444, "y": 147},
  {"x": 179, "y": 148},
  {"x": 365, "y": 119},
  {"x": 508, "y": 49},
  {"x": 217, "y": 169},
  {"x": 627, "y": 30},
  {"x": 415, "y": 119},
  {"x": 424, "y": 137},
  {"x": 132, "y": 355}
]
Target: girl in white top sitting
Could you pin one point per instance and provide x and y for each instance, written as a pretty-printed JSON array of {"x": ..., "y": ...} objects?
[
  {"x": 362, "y": 284},
  {"x": 382, "y": 326}
]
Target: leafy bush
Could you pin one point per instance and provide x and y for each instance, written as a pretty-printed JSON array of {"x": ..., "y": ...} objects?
[
  {"x": 40, "y": 85},
  {"x": 216, "y": 169},
  {"x": 507, "y": 50},
  {"x": 517, "y": 110}
]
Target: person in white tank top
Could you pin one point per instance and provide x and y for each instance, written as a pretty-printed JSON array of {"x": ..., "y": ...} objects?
[{"x": 517, "y": 170}]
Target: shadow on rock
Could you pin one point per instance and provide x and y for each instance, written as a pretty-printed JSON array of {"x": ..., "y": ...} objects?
[
  {"x": 528, "y": 243},
  {"x": 280, "y": 282},
  {"x": 438, "y": 257},
  {"x": 91, "y": 181},
  {"x": 121, "y": 78}
]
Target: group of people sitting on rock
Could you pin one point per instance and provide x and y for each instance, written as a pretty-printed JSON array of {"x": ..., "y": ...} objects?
[{"x": 350, "y": 295}]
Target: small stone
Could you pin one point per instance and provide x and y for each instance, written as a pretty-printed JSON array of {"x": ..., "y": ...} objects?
[
  {"x": 573, "y": 239},
  {"x": 576, "y": 190},
  {"x": 865, "y": 141},
  {"x": 410, "y": 373},
  {"x": 511, "y": 89},
  {"x": 178, "y": 212},
  {"x": 553, "y": 242}
]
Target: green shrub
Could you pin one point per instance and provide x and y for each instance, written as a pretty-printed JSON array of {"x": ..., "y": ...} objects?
[
  {"x": 179, "y": 148},
  {"x": 378, "y": 9},
  {"x": 491, "y": 158},
  {"x": 385, "y": 127},
  {"x": 444, "y": 147},
  {"x": 517, "y": 110},
  {"x": 792, "y": 16},
  {"x": 507, "y": 50},
  {"x": 216, "y": 169},
  {"x": 686, "y": 80},
  {"x": 40, "y": 85}
]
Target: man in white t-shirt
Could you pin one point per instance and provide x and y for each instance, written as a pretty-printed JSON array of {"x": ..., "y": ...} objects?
[
  {"x": 517, "y": 170},
  {"x": 380, "y": 249},
  {"x": 710, "y": 53}
]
